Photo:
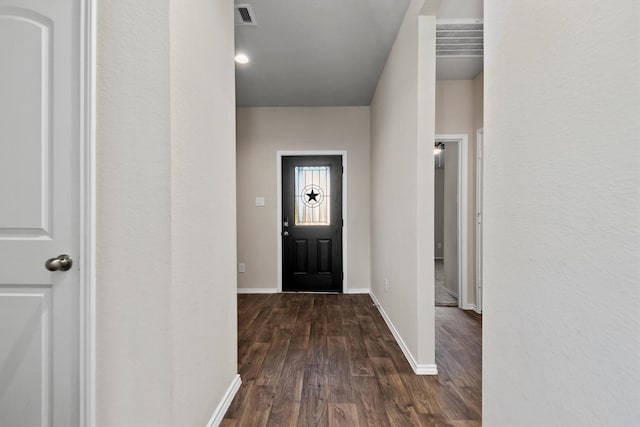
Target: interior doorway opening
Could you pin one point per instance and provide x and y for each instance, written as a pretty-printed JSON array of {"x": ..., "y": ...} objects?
[
  {"x": 445, "y": 233},
  {"x": 450, "y": 230}
]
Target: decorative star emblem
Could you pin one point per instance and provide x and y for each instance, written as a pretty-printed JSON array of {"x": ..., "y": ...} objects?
[{"x": 313, "y": 195}]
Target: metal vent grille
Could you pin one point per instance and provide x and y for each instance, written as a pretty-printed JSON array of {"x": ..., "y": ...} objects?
[
  {"x": 460, "y": 39},
  {"x": 244, "y": 15}
]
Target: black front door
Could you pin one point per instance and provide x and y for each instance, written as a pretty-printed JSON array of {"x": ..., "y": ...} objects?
[{"x": 312, "y": 223}]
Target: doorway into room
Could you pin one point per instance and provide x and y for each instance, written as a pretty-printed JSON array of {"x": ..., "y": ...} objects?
[
  {"x": 450, "y": 213},
  {"x": 446, "y": 292}
]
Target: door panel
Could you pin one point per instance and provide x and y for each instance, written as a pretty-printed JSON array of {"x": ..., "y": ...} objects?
[
  {"x": 312, "y": 223},
  {"x": 324, "y": 256},
  {"x": 25, "y": 124},
  {"x": 39, "y": 206},
  {"x": 25, "y": 326},
  {"x": 300, "y": 255}
]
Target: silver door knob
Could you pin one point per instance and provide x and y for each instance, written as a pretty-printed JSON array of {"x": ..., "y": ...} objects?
[
  {"x": 285, "y": 233},
  {"x": 62, "y": 263}
]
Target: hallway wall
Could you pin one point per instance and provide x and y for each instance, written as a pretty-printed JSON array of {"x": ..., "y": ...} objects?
[
  {"x": 165, "y": 282},
  {"x": 133, "y": 328},
  {"x": 402, "y": 182},
  {"x": 203, "y": 213},
  {"x": 264, "y": 131},
  {"x": 561, "y": 324}
]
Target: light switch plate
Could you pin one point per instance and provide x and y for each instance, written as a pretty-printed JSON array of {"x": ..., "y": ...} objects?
[{"x": 260, "y": 201}]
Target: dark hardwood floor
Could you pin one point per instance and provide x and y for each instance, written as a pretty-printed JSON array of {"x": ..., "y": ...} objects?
[{"x": 330, "y": 360}]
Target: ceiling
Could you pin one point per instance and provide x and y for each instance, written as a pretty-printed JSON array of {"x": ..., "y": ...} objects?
[{"x": 329, "y": 52}]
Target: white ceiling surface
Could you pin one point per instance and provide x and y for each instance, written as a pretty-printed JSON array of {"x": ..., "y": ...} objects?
[
  {"x": 457, "y": 9},
  {"x": 329, "y": 52}
]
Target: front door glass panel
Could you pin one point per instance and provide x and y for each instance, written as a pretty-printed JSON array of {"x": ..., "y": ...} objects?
[{"x": 312, "y": 195}]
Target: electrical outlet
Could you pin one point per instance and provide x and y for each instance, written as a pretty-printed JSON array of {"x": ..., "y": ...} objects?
[
  {"x": 241, "y": 267},
  {"x": 386, "y": 285}
]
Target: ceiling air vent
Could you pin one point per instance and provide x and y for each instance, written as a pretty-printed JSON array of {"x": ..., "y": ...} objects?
[
  {"x": 244, "y": 15},
  {"x": 460, "y": 38}
]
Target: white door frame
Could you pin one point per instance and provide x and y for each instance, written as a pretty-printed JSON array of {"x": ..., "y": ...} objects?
[
  {"x": 479, "y": 220},
  {"x": 86, "y": 258},
  {"x": 279, "y": 155},
  {"x": 463, "y": 213}
]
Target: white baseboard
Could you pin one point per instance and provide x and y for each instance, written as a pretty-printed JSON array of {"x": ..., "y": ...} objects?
[
  {"x": 225, "y": 402},
  {"x": 417, "y": 368},
  {"x": 358, "y": 291},
  {"x": 275, "y": 291},
  {"x": 257, "y": 290},
  {"x": 425, "y": 369},
  {"x": 469, "y": 307}
]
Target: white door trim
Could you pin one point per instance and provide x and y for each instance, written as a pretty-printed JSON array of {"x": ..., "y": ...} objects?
[
  {"x": 479, "y": 220},
  {"x": 463, "y": 213},
  {"x": 279, "y": 155},
  {"x": 86, "y": 258}
]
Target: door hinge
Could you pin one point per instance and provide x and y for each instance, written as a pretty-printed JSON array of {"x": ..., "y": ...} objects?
[
  {"x": 343, "y": 222},
  {"x": 343, "y": 276},
  {"x": 342, "y": 168}
]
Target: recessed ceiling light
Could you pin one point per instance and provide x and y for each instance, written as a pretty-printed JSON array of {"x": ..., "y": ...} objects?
[{"x": 241, "y": 58}]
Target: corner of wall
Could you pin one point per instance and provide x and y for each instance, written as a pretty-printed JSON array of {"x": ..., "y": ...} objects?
[{"x": 402, "y": 131}]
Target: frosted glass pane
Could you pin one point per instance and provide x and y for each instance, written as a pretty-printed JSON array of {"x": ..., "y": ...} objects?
[{"x": 312, "y": 195}]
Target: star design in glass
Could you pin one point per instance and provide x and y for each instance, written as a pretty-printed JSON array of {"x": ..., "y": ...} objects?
[{"x": 313, "y": 195}]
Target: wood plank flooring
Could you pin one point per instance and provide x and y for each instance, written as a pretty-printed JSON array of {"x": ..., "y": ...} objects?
[{"x": 330, "y": 360}]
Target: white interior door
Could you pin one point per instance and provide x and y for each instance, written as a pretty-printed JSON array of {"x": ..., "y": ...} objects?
[
  {"x": 39, "y": 214},
  {"x": 479, "y": 177}
]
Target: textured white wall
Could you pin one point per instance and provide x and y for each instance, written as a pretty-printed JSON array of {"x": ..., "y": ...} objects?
[
  {"x": 264, "y": 131},
  {"x": 203, "y": 202},
  {"x": 166, "y": 319},
  {"x": 133, "y": 336},
  {"x": 402, "y": 179},
  {"x": 562, "y": 214}
]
